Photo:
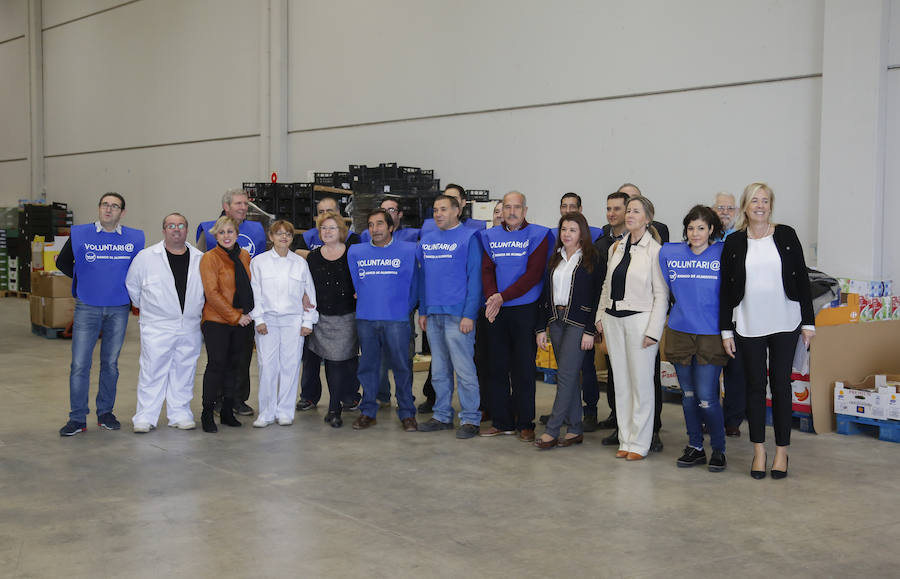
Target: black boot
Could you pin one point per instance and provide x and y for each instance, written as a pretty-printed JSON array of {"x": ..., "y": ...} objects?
[
  {"x": 207, "y": 419},
  {"x": 227, "y": 416}
]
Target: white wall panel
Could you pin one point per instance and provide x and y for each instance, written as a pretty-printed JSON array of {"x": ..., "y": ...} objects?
[
  {"x": 59, "y": 11},
  {"x": 152, "y": 73},
  {"x": 14, "y": 179},
  {"x": 894, "y": 42},
  {"x": 354, "y": 61},
  {"x": 679, "y": 148},
  {"x": 188, "y": 178},
  {"x": 14, "y": 124},
  {"x": 892, "y": 182},
  {"x": 12, "y": 18}
]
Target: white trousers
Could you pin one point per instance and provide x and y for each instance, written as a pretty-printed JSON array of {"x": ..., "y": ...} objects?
[
  {"x": 168, "y": 365},
  {"x": 278, "y": 353},
  {"x": 633, "y": 368}
]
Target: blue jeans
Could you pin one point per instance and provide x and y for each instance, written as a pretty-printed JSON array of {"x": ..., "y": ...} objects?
[
  {"x": 700, "y": 384},
  {"x": 376, "y": 336},
  {"x": 452, "y": 351},
  {"x": 89, "y": 322}
]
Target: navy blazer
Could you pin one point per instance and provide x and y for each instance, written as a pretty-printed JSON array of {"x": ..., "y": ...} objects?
[{"x": 584, "y": 294}]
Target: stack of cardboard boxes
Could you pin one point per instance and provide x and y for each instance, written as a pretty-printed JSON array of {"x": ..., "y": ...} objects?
[
  {"x": 52, "y": 304},
  {"x": 875, "y": 397},
  {"x": 861, "y": 301}
]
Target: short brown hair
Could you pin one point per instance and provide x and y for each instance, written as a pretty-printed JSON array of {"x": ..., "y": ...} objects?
[
  {"x": 338, "y": 220},
  {"x": 280, "y": 224}
]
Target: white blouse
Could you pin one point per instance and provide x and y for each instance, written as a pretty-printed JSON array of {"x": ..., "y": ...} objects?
[
  {"x": 278, "y": 286},
  {"x": 765, "y": 308},
  {"x": 562, "y": 277}
]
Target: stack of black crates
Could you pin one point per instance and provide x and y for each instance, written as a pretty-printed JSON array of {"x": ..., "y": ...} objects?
[
  {"x": 35, "y": 220},
  {"x": 413, "y": 188},
  {"x": 295, "y": 202}
]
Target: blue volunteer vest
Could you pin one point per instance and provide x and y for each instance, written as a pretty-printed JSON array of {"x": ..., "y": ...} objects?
[
  {"x": 405, "y": 234},
  {"x": 476, "y": 224},
  {"x": 444, "y": 256},
  {"x": 312, "y": 239},
  {"x": 694, "y": 282},
  {"x": 251, "y": 237},
  {"x": 101, "y": 263},
  {"x": 383, "y": 279},
  {"x": 509, "y": 250}
]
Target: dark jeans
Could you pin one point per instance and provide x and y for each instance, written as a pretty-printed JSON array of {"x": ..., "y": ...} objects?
[
  {"x": 311, "y": 380},
  {"x": 342, "y": 383},
  {"x": 375, "y": 337},
  {"x": 735, "y": 405},
  {"x": 590, "y": 388},
  {"x": 224, "y": 346},
  {"x": 657, "y": 393},
  {"x": 512, "y": 367},
  {"x": 780, "y": 347}
]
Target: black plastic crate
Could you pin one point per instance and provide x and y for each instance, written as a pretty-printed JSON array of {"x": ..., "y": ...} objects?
[
  {"x": 388, "y": 171},
  {"x": 478, "y": 194},
  {"x": 341, "y": 180},
  {"x": 323, "y": 179},
  {"x": 303, "y": 205},
  {"x": 283, "y": 203}
]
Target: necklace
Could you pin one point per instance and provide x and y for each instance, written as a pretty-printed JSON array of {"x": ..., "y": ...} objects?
[{"x": 750, "y": 231}]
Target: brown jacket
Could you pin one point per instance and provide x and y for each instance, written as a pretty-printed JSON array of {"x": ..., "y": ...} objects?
[{"x": 217, "y": 273}]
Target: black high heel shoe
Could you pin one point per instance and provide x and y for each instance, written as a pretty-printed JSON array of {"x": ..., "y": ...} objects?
[
  {"x": 780, "y": 474},
  {"x": 761, "y": 474}
]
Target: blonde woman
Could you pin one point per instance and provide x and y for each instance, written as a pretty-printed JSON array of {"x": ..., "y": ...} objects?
[{"x": 631, "y": 316}]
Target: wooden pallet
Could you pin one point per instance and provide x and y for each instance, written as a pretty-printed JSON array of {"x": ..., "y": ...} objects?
[
  {"x": 49, "y": 333},
  {"x": 888, "y": 430},
  {"x": 14, "y": 294}
]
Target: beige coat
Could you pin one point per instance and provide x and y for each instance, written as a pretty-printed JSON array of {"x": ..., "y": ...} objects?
[{"x": 645, "y": 287}]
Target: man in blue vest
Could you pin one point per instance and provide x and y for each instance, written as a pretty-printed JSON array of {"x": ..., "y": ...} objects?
[
  {"x": 512, "y": 275},
  {"x": 252, "y": 237},
  {"x": 97, "y": 257},
  {"x": 385, "y": 278},
  {"x": 311, "y": 377},
  {"x": 400, "y": 233},
  {"x": 735, "y": 404},
  {"x": 449, "y": 299},
  {"x": 590, "y": 388}
]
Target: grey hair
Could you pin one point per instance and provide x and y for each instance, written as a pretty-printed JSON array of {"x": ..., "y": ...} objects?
[
  {"x": 522, "y": 195},
  {"x": 226, "y": 198}
]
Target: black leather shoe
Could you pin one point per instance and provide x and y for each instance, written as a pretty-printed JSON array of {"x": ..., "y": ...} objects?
[
  {"x": 589, "y": 423},
  {"x": 611, "y": 440},
  {"x": 226, "y": 417},
  {"x": 656, "y": 444},
  {"x": 607, "y": 423},
  {"x": 780, "y": 474},
  {"x": 759, "y": 474},
  {"x": 426, "y": 407},
  {"x": 691, "y": 457},
  {"x": 544, "y": 419},
  {"x": 207, "y": 421}
]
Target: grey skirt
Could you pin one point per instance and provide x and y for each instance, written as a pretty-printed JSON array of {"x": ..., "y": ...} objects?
[{"x": 334, "y": 337}]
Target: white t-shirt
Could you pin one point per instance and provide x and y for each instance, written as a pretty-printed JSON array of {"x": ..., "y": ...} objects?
[{"x": 765, "y": 308}]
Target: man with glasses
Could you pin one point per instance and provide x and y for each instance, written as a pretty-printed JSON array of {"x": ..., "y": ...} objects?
[
  {"x": 164, "y": 284},
  {"x": 96, "y": 257},
  {"x": 310, "y": 378},
  {"x": 735, "y": 404}
]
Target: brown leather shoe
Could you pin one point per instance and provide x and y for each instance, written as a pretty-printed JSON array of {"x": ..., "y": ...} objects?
[
  {"x": 494, "y": 431},
  {"x": 634, "y": 456},
  {"x": 621, "y": 453},
  {"x": 732, "y": 431},
  {"x": 363, "y": 422},
  {"x": 409, "y": 424},
  {"x": 545, "y": 444},
  {"x": 526, "y": 435},
  {"x": 564, "y": 442}
]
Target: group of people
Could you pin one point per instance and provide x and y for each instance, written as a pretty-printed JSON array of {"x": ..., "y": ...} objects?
[{"x": 733, "y": 294}]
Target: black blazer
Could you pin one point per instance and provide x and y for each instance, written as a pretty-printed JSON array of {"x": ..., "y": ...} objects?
[
  {"x": 584, "y": 293},
  {"x": 793, "y": 274}
]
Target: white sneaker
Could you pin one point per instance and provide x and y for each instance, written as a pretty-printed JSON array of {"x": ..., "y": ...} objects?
[
  {"x": 142, "y": 427},
  {"x": 183, "y": 425},
  {"x": 261, "y": 422},
  {"x": 284, "y": 421}
]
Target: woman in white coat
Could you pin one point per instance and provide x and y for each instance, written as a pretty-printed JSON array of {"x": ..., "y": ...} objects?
[
  {"x": 164, "y": 283},
  {"x": 631, "y": 316},
  {"x": 279, "y": 278}
]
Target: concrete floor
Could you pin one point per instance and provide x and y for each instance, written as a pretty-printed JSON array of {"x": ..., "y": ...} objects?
[{"x": 311, "y": 501}]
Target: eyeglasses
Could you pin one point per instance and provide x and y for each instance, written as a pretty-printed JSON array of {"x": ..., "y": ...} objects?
[
  {"x": 110, "y": 206},
  {"x": 283, "y": 233},
  {"x": 728, "y": 208},
  {"x": 176, "y": 226},
  {"x": 391, "y": 210}
]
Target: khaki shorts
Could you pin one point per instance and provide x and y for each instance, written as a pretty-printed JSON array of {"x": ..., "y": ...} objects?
[{"x": 681, "y": 347}]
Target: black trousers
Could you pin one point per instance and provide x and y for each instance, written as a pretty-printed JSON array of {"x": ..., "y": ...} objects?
[
  {"x": 590, "y": 388},
  {"x": 657, "y": 393},
  {"x": 224, "y": 346},
  {"x": 310, "y": 379},
  {"x": 780, "y": 348},
  {"x": 735, "y": 404},
  {"x": 512, "y": 367},
  {"x": 242, "y": 379},
  {"x": 342, "y": 383}
]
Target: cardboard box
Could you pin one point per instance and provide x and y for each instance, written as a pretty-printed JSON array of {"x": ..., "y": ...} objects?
[
  {"x": 37, "y": 311},
  {"x": 668, "y": 377},
  {"x": 51, "y": 285},
  {"x": 51, "y": 252},
  {"x": 800, "y": 389},
  {"x": 846, "y": 313},
  {"x": 870, "y": 398},
  {"x": 57, "y": 312}
]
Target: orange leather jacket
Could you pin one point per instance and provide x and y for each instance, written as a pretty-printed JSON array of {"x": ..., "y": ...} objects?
[{"x": 217, "y": 273}]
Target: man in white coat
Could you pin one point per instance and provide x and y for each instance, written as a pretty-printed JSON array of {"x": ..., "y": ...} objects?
[{"x": 164, "y": 283}]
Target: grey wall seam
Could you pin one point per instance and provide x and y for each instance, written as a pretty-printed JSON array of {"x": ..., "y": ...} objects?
[
  {"x": 63, "y": 23},
  {"x": 153, "y": 146},
  {"x": 561, "y": 103},
  {"x": 13, "y": 38},
  {"x": 13, "y": 160},
  {"x": 893, "y": 66}
]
